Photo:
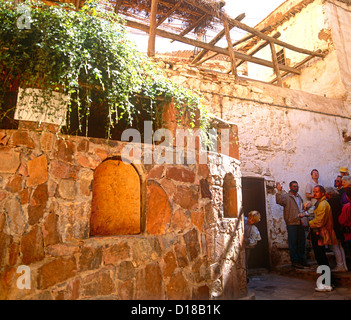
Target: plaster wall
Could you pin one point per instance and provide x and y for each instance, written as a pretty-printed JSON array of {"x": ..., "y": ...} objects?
[
  {"x": 315, "y": 27},
  {"x": 283, "y": 133}
]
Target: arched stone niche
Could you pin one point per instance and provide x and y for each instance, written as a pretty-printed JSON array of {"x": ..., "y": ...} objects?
[{"x": 116, "y": 203}]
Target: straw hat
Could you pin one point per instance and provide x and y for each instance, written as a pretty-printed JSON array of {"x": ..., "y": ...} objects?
[{"x": 344, "y": 169}]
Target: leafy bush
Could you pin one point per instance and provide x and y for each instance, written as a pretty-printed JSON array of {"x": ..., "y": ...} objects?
[{"x": 87, "y": 55}]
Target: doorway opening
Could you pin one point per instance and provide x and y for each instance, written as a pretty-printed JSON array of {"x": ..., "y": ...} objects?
[{"x": 254, "y": 198}]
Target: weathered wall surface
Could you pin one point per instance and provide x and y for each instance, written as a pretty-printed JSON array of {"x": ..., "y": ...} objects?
[
  {"x": 185, "y": 251},
  {"x": 316, "y": 26},
  {"x": 339, "y": 16},
  {"x": 284, "y": 134}
]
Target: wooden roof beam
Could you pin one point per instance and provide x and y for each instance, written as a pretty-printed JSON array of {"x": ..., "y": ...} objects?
[
  {"x": 193, "y": 26},
  {"x": 276, "y": 41},
  {"x": 200, "y": 44},
  {"x": 261, "y": 35},
  {"x": 248, "y": 37},
  {"x": 218, "y": 37},
  {"x": 298, "y": 65},
  {"x": 260, "y": 47},
  {"x": 169, "y": 12},
  {"x": 118, "y": 5}
]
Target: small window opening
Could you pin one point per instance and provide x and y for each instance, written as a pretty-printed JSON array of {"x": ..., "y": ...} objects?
[{"x": 281, "y": 57}]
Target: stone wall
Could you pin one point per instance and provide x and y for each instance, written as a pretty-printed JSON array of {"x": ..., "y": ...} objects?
[
  {"x": 185, "y": 250},
  {"x": 284, "y": 134}
]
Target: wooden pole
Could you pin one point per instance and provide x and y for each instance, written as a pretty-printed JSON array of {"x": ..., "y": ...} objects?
[
  {"x": 275, "y": 65},
  {"x": 196, "y": 43},
  {"x": 218, "y": 37},
  {"x": 230, "y": 50},
  {"x": 153, "y": 27}
]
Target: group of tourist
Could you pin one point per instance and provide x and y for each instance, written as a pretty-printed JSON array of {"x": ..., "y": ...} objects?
[{"x": 326, "y": 215}]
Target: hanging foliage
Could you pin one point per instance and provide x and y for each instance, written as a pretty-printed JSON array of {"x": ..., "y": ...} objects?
[{"x": 85, "y": 54}]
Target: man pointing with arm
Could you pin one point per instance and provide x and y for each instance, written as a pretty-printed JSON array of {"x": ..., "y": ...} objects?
[{"x": 293, "y": 207}]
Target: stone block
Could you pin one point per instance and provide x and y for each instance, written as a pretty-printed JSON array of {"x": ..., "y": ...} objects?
[
  {"x": 177, "y": 288},
  {"x": 32, "y": 246},
  {"x": 116, "y": 253},
  {"x": 180, "y": 174},
  {"x": 62, "y": 170},
  {"x": 37, "y": 171},
  {"x": 9, "y": 160},
  {"x": 89, "y": 259},
  {"x": 16, "y": 219},
  {"x": 181, "y": 255},
  {"x": 67, "y": 189},
  {"x": 49, "y": 229},
  {"x": 192, "y": 244},
  {"x": 205, "y": 189},
  {"x": 186, "y": 197},
  {"x": 149, "y": 282},
  {"x": 158, "y": 210},
  {"x": 126, "y": 271},
  {"x": 47, "y": 141},
  {"x": 65, "y": 150},
  {"x": 179, "y": 221},
  {"x": 125, "y": 290},
  {"x": 56, "y": 271},
  {"x": 22, "y": 138},
  {"x": 197, "y": 219},
  {"x": 14, "y": 184},
  {"x": 169, "y": 264}
]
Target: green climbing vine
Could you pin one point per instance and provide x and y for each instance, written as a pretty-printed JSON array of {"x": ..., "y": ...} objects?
[{"x": 86, "y": 55}]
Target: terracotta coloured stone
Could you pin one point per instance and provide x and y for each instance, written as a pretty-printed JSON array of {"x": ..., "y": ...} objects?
[
  {"x": 149, "y": 283},
  {"x": 197, "y": 218},
  {"x": 179, "y": 220},
  {"x": 126, "y": 271},
  {"x": 14, "y": 184},
  {"x": 46, "y": 141},
  {"x": 186, "y": 197},
  {"x": 170, "y": 263},
  {"x": 90, "y": 258},
  {"x": 56, "y": 271},
  {"x": 126, "y": 290},
  {"x": 14, "y": 251},
  {"x": 180, "y": 174},
  {"x": 37, "y": 203},
  {"x": 116, "y": 253},
  {"x": 67, "y": 189},
  {"x": 182, "y": 258},
  {"x": 9, "y": 160},
  {"x": 177, "y": 288},
  {"x": 159, "y": 210},
  {"x": 22, "y": 138},
  {"x": 116, "y": 199},
  {"x": 3, "y": 195},
  {"x": 16, "y": 217},
  {"x": 37, "y": 171},
  {"x": 5, "y": 241},
  {"x": 23, "y": 170},
  {"x": 205, "y": 189},
  {"x": 50, "y": 232},
  {"x": 32, "y": 246},
  {"x": 98, "y": 284},
  {"x": 65, "y": 150},
  {"x": 62, "y": 170},
  {"x": 155, "y": 173},
  {"x": 201, "y": 293},
  {"x": 192, "y": 244}
]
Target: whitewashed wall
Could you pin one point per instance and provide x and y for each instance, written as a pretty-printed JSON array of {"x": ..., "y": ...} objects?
[{"x": 283, "y": 134}]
